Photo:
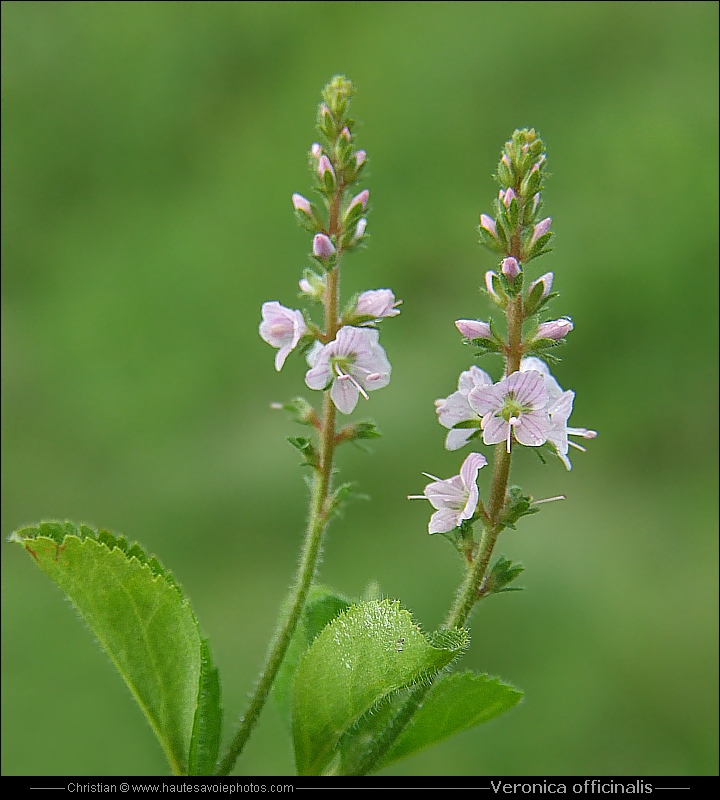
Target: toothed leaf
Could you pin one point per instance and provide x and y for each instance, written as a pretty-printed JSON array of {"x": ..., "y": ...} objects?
[
  {"x": 140, "y": 617},
  {"x": 361, "y": 658}
]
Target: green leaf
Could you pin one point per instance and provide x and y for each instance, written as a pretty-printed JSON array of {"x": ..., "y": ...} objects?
[
  {"x": 140, "y": 617},
  {"x": 207, "y": 725},
  {"x": 455, "y": 703},
  {"x": 322, "y": 606},
  {"x": 362, "y": 657}
]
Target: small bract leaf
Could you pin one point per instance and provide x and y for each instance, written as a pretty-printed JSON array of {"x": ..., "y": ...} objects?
[
  {"x": 140, "y": 617},
  {"x": 362, "y": 657}
]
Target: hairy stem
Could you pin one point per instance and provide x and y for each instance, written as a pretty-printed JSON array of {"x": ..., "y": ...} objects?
[
  {"x": 312, "y": 544},
  {"x": 470, "y": 590}
]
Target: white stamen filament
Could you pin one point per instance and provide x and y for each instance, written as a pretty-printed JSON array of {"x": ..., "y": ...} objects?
[
  {"x": 416, "y": 497},
  {"x": 548, "y": 500},
  {"x": 511, "y": 424},
  {"x": 577, "y": 446},
  {"x": 432, "y": 477},
  {"x": 584, "y": 432}
]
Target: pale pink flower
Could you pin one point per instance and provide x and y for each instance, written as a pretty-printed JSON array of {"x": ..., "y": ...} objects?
[
  {"x": 281, "y": 327},
  {"x": 559, "y": 408},
  {"x": 353, "y": 364},
  {"x": 455, "y": 408},
  {"x": 456, "y": 498},
  {"x": 513, "y": 406}
]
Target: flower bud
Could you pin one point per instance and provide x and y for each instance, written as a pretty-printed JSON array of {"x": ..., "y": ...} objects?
[
  {"x": 377, "y": 303},
  {"x": 345, "y": 133},
  {"x": 489, "y": 224},
  {"x": 360, "y": 157},
  {"x": 312, "y": 285},
  {"x": 556, "y": 329},
  {"x": 360, "y": 229},
  {"x": 510, "y": 266},
  {"x": 541, "y": 229},
  {"x": 301, "y": 203},
  {"x": 316, "y": 150},
  {"x": 361, "y": 199},
  {"x": 546, "y": 280},
  {"x": 490, "y": 277},
  {"x": 324, "y": 166},
  {"x": 474, "y": 328},
  {"x": 323, "y": 248},
  {"x": 508, "y": 197}
]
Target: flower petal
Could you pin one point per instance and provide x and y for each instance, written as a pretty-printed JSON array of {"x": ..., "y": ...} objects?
[
  {"x": 532, "y": 428},
  {"x": 495, "y": 429},
  {"x": 319, "y": 376},
  {"x": 344, "y": 394},
  {"x": 443, "y": 521}
]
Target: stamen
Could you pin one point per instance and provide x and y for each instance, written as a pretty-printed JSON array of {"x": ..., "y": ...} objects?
[
  {"x": 358, "y": 387},
  {"x": 548, "y": 500},
  {"x": 432, "y": 477},
  {"x": 577, "y": 446},
  {"x": 584, "y": 432},
  {"x": 416, "y": 497},
  {"x": 511, "y": 424}
]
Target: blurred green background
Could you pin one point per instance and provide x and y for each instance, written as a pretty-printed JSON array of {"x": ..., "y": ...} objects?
[{"x": 149, "y": 155}]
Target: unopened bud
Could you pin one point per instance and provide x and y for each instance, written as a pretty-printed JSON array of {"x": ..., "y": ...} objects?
[
  {"x": 301, "y": 204},
  {"x": 556, "y": 329},
  {"x": 541, "y": 229},
  {"x": 508, "y": 197},
  {"x": 361, "y": 198},
  {"x": 489, "y": 224},
  {"x": 546, "y": 280},
  {"x": 360, "y": 157},
  {"x": 489, "y": 276},
  {"x": 360, "y": 229},
  {"x": 474, "y": 328},
  {"x": 345, "y": 133},
  {"x": 510, "y": 266},
  {"x": 324, "y": 166},
  {"x": 323, "y": 248},
  {"x": 316, "y": 150}
]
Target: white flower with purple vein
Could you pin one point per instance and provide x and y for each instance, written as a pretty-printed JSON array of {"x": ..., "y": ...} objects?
[
  {"x": 353, "y": 364},
  {"x": 455, "y": 498},
  {"x": 281, "y": 327},
  {"x": 513, "y": 407},
  {"x": 455, "y": 409},
  {"x": 559, "y": 408}
]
